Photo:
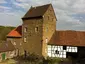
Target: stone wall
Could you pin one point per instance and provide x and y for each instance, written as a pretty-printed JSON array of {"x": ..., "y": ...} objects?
[
  {"x": 17, "y": 42},
  {"x": 33, "y": 39},
  {"x": 49, "y": 27}
]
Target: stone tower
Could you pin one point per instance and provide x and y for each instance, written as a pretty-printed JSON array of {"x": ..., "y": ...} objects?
[{"x": 39, "y": 24}]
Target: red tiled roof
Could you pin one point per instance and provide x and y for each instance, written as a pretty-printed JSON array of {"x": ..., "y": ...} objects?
[
  {"x": 71, "y": 38},
  {"x": 17, "y": 32}
]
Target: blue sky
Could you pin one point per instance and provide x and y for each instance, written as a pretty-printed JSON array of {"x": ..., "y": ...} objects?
[{"x": 70, "y": 13}]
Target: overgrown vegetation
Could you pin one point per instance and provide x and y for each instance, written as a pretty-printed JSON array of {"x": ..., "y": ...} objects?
[
  {"x": 56, "y": 60},
  {"x": 30, "y": 59},
  {"x": 35, "y": 59},
  {"x": 4, "y": 30}
]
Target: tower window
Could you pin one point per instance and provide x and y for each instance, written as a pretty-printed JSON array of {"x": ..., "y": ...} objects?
[
  {"x": 25, "y": 29},
  {"x": 36, "y": 29},
  {"x": 47, "y": 29},
  {"x": 46, "y": 40},
  {"x": 25, "y": 39},
  {"x": 48, "y": 17},
  {"x": 64, "y": 47},
  {"x": 52, "y": 19},
  {"x": 20, "y": 43}
]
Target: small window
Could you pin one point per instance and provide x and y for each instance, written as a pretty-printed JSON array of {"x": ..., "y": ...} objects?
[
  {"x": 20, "y": 43},
  {"x": 25, "y": 39},
  {"x": 46, "y": 40},
  {"x": 64, "y": 47},
  {"x": 36, "y": 29},
  {"x": 46, "y": 29},
  {"x": 25, "y": 29},
  {"x": 14, "y": 43},
  {"x": 56, "y": 52},
  {"x": 48, "y": 17},
  {"x": 43, "y": 16}
]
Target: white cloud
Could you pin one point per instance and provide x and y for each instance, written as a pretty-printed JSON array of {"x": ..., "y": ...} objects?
[
  {"x": 64, "y": 9},
  {"x": 3, "y": 1},
  {"x": 22, "y": 1},
  {"x": 4, "y": 7},
  {"x": 23, "y": 5},
  {"x": 79, "y": 6},
  {"x": 11, "y": 18}
]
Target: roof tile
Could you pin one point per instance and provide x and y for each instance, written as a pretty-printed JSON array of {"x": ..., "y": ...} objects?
[
  {"x": 71, "y": 38},
  {"x": 17, "y": 32},
  {"x": 36, "y": 11}
]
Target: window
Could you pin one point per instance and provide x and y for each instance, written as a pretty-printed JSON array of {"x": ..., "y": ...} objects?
[
  {"x": 43, "y": 16},
  {"x": 56, "y": 52},
  {"x": 64, "y": 47},
  {"x": 25, "y": 29},
  {"x": 48, "y": 17},
  {"x": 29, "y": 33},
  {"x": 52, "y": 19},
  {"x": 14, "y": 43},
  {"x": 25, "y": 39},
  {"x": 46, "y": 40},
  {"x": 36, "y": 29},
  {"x": 46, "y": 29},
  {"x": 20, "y": 43}
]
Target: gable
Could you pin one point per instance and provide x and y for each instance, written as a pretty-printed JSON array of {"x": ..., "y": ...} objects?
[{"x": 50, "y": 12}]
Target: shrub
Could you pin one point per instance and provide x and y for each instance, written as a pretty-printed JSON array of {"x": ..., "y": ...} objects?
[{"x": 55, "y": 60}]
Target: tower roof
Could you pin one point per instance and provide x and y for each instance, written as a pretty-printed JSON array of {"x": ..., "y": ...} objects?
[{"x": 36, "y": 11}]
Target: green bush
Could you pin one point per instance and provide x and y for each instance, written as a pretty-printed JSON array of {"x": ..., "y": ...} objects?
[{"x": 55, "y": 60}]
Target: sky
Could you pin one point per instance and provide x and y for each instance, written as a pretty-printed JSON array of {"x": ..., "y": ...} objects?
[{"x": 70, "y": 14}]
